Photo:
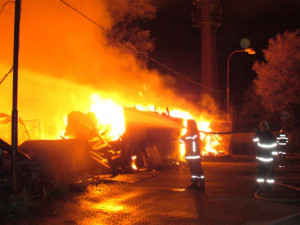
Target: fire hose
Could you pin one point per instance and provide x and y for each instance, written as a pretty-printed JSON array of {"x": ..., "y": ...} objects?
[
  {"x": 227, "y": 132},
  {"x": 257, "y": 196},
  {"x": 269, "y": 172}
]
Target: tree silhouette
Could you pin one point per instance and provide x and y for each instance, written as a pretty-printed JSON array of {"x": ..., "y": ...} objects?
[
  {"x": 278, "y": 79},
  {"x": 127, "y": 33}
]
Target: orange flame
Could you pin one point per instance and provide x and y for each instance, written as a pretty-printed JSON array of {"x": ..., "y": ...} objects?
[
  {"x": 63, "y": 63},
  {"x": 133, "y": 165},
  {"x": 110, "y": 117},
  {"x": 209, "y": 141}
]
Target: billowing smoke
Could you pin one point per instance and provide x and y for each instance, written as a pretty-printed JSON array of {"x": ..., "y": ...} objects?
[{"x": 64, "y": 58}]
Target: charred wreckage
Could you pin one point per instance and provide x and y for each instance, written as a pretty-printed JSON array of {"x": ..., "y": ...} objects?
[{"x": 150, "y": 141}]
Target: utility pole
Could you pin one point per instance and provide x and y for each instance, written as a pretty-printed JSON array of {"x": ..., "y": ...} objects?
[
  {"x": 14, "y": 123},
  {"x": 206, "y": 16}
]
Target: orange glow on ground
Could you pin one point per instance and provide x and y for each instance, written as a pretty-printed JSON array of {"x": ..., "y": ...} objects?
[{"x": 108, "y": 206}]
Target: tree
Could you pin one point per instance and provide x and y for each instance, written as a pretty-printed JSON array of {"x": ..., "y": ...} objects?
[
  {"x": 278, "y": 79},
  {"x": 126, "y": 32},
  {"x": 253, "y": 112}
]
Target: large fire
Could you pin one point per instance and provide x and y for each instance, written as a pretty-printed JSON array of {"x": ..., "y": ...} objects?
[
  {"x": 111, "y": 122},
  {"x": 110, "y": 117},
  {"x": 66, "y": 64}
]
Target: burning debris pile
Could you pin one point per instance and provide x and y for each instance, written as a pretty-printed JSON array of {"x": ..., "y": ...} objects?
[
  {"x": 150, "y": 141},
  {"x": 100, "y": 135},
  {"x": 147, "y": 140},
  {"x": 82, "y": 125}
]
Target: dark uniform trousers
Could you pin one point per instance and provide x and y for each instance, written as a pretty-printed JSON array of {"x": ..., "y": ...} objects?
[
  {"x": 267, "y": 155},
  {"x": 196, "y": 169},
  {"x": 282, "y": 141},
  {"x": 193, "y": 157}
]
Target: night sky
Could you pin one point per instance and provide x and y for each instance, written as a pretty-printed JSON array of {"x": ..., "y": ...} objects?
[{"x": 178, "y": 43}]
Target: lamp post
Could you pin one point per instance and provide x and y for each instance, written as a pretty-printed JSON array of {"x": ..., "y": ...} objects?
[{"x": 250, "y": 51}]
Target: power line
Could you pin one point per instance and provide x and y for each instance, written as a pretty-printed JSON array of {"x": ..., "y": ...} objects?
[
  {"x": 2, "y": 8},
  {"x": 183, "y": 76},
  {"x": 151, "y": 58},
  {"x": 6, "y": 75},
  {"x": 82, "y": 14}
]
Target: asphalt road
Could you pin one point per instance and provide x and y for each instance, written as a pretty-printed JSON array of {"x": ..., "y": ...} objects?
[{"x": 161, "y": 197}]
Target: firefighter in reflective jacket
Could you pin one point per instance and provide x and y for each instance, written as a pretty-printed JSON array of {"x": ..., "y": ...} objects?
[
  {"x": 282, "y": 141},
  {"x": 192, "y": 155},
  {"x": 266, "y": 155}
]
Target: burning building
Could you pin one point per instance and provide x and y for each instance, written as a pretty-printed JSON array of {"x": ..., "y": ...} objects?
[
  {"x": 67, "y": 65},
  {"x": 148, "y": 140}
]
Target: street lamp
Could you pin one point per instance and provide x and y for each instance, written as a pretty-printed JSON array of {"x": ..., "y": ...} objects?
[{"x": 250, "y": 51}]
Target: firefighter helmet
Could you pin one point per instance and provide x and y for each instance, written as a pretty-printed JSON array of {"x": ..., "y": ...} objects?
[
  {"x": 264, "y": 125},
  {"x": 191, "y": 124}
]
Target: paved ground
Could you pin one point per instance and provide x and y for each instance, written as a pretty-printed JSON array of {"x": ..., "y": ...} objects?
[{"x": 161, "y": 197}]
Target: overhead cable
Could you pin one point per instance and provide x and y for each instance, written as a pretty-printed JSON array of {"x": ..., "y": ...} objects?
[
  {"x": 88, "y": 18},
  {"x": 183, "y": 76},
  {"x": 6, "y": 75},
  {"x": 151, "y": 58},
  {"x": 2, "y": 8}
]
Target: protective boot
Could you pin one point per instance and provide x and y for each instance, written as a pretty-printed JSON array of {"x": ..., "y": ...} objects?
[
  {"x": 201, "y": 185},
  {"x": 257, "y": 187},
  {"x": 193, "y": 185}
]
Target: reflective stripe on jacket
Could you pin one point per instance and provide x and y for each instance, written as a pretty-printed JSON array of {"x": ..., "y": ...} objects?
[
  {"x": 282, "y": 139},
  {"x": 267, "y": 146},
  {"x": 192, "y": 148}
]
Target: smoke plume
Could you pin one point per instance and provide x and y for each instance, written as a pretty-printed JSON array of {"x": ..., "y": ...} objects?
[{"x": 64, "y": 58}]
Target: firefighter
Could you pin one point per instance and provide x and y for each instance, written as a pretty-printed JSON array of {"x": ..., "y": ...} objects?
[
  {"x": 192, "y": 155},
  {"x": 266, "y": 155},
  {"x": 282, "y": 141}
]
